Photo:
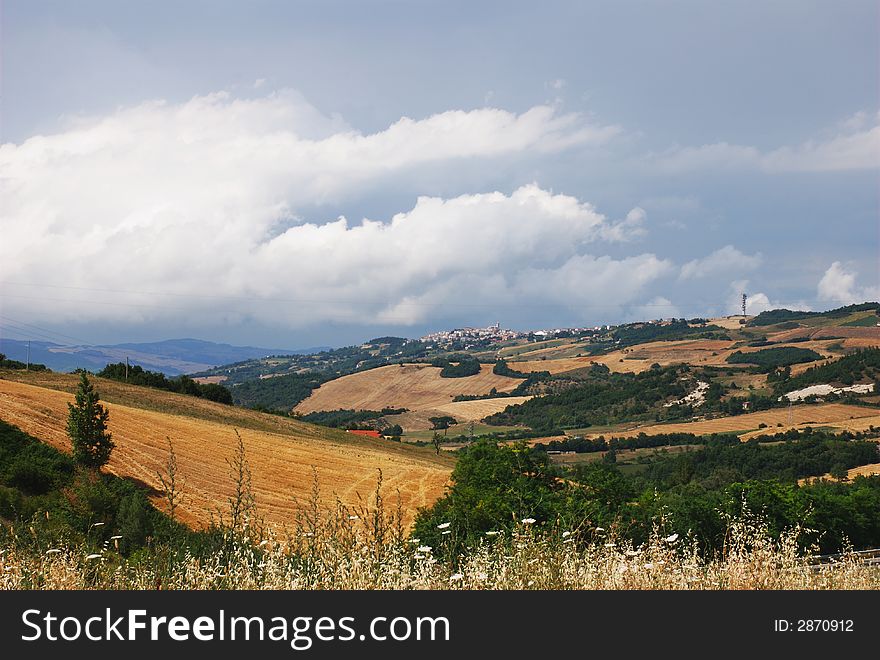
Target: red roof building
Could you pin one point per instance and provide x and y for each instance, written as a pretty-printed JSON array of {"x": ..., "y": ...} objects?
[{"x": 370, "y": 434}]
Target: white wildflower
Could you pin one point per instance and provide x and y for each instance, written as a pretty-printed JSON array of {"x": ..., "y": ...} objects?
[
  {"x": 528, "y": 521},
  {"x": 671, "y": 539},
  {"x": 566, "y": 534},
  {"x": 93, "y": 556},
  {"x": 443, "y": 525},
  {"x": 446, "y": 532},
  {"x": 52, "y": 551},
  {"x": 455, "y": 577},
  {"x": 423, "y": 548}
]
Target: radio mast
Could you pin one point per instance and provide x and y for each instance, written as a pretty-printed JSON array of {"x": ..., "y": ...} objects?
[{"x": 744, "y": 304}]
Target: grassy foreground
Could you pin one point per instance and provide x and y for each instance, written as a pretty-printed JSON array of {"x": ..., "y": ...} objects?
[{"x": 345, "y": 550}]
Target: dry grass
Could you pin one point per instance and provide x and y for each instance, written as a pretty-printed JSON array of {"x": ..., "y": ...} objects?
[
  {"x": 828, "y": 414},
  {"x": 281, "y": 459},
  {"x": 476, "y": 410},
  {"x": 417, "y": 387},
  {"x": 336, "y": 552}
]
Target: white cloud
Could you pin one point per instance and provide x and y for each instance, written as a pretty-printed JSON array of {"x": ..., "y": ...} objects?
[
  {"x": 195, "y": 207},
  {"x": 627, "y": 229},
  {"x": 854, "y": 146},
  {"x": 838, "y": 285},
  {"x": 656, "y": 308},
  {"x": 724, "y": 260}
]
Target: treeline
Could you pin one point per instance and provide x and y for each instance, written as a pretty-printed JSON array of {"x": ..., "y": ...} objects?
[
  {"x": 457, "y": 366},
  {"x": 581, "y": 445},
  {"x": 349, "y": 419},
  {"x": 810, "y": 456},
  {"x": 501, "y": 368},
  {"x": 280, "y": 393},
  {"x": 769, "y": 359},
  {"x": 73, "y": 502},
  {"x": 628, "y": 335},
  {"x": 604, "y": 399},
  {"x": 494, "y": 486},
  {"x": 774, "y": 316},
  {"x": 858, "y": 366},
  {"x": 137, "y": 375},
  {"x": 15, "y": 364}
]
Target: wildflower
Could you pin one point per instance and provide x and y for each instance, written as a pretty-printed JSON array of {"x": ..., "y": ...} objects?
[
  {"x": 97, "y": 524},
  {"x": 531, "y": 582},
  {"x": 443, "y": 525},
  {"x": 609, "y": 545},
  {"x": 308, "y": 534},
  {"x": 566, "y": 534},
  {"x": 649, "y": 566},
  {"x": 482, "y": 576},
  {"x": 528, "y": 521},
  {"x": 415, "y": 541},
  {"x": 353, "y": 517},
  {"x": 455, "y": 577},
  {"x": 418, "y": 556},
  {"x": 447, "y": 532},
  {"x": 94, "y": 556},
  {"x": 623, "y": 568},
  {"x": 600, "y": 529},
  {"x": 632, "y": 553},
  {"x": 423, "y": 548},
  {"x": 492, "y": 533},
  {"x": 671, "y": 539},
  {"x": 52, "y": 551},
  {"x": 263, "y": 542}
]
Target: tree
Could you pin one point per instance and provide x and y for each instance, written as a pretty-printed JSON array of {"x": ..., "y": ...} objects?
[{"x": 87, "y": 427}]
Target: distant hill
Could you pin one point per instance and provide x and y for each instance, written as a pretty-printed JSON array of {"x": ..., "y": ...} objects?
[{"x": 171, "y": 357}]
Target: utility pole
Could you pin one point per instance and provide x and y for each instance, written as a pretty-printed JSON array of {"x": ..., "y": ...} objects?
[{"x": 27, "y": 364}]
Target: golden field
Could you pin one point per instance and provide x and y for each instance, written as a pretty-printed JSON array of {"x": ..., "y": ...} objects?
[{"x": 282, "y": 453}]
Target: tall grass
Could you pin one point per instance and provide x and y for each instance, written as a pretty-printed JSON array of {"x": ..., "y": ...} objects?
[{"x": 365, "y": 547}]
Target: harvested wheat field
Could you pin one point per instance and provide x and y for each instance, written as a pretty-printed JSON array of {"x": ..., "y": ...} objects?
[
  {"x": 413, "y": 386},
  {"x": 281, "y": 462},
  {"x": 474, "y": 410},
  {"x": 828, "y": 414}
]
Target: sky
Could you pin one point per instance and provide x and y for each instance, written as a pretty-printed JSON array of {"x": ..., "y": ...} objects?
[{"x": 293, "y": 174}]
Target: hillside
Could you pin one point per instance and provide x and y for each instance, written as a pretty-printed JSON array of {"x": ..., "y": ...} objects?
[
  {"x": 281, "y": 451},
  {"x": 417, "y": 387},
  {"x": 171, "y": 357}
]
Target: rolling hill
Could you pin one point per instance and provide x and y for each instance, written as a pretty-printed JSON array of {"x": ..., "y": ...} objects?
[
  {"x": 171, "y": 357},
  {"x": 282, "y": 452}
]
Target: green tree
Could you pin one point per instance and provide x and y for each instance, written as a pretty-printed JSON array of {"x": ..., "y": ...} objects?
[{"x": 87, "y": 427}]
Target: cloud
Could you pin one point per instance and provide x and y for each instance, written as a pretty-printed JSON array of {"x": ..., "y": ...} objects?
[
  {"x": 838, "y": 285},
  {"x": 629, "y": 228},
  {"x": 724, "y": 260},
  {"x": 854, "y": 146},
  {"x": 164, "y": 211},
  {"x": 164, "y": 208}
]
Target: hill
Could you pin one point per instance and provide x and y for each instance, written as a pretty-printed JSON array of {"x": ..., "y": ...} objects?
[
  {"x": 281, "y": 451},
  {"x": 172, "y": 357},
  {"x": 417, "y": 387}
]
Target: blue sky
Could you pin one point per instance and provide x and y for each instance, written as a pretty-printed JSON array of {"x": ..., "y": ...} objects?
[{"x": 181, "y": 168}]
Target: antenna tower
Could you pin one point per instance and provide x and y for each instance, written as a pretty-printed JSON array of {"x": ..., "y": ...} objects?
[{"x": 744, "y": 304}]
